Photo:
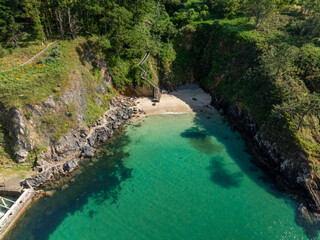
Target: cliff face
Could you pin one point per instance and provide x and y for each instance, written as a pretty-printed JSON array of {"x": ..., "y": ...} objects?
[
  {"x": 64, "y": 157},
  {"x": 227, "y": 63},
  {"x": 290, "y": 174},
  {"x": 42, "y": 126},
  {"x": 52, "y": 136}
]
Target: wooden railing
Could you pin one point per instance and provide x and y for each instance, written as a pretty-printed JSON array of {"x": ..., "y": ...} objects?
[{"x": 156, "y": 90}]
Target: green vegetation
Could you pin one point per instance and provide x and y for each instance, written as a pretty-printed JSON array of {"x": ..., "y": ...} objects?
[
  {"x": 270, "y": 67},
  {"x": 34, "y": 82},
  {"x": 58, "y": 123},
  {"x": 263, "y": 55},
  {"x": 7, "y": 166}
]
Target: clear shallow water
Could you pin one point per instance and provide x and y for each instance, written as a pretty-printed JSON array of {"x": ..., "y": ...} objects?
[{"x": 174, "y": 177}]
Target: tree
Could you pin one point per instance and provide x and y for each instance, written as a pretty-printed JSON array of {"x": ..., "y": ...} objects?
[
  {"x": 139, "y": 8},
  {"x": 259, "y": 9},
  {"x": 310, "y": 105},
  {"x": 298, "y": 108},
  {"x": 10, "y": 29},
  {"x": 32, "y": 9},
  {"x": 71, "y": 5},
  {"x": 119, "y": 18},
  {"x": 311, "y": 11},
  {"x": 225, "y": 8},
  {"x": 278, "y": 60}
]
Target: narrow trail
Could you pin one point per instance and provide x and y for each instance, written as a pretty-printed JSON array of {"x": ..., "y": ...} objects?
[
  {"x": 31, "y": 59},
  {"x": 156, "y": 91}
]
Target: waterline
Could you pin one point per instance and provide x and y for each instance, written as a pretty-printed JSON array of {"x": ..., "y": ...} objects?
[{"x": 174, "y": 177}]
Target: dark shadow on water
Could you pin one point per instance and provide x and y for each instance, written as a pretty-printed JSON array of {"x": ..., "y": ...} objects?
[
  {"x": 219, "y": 173},
  {"x": 200, "y": 140},
  {"x": 221, "y": 176},
  {"x": 101, "y": 182},
  {"x": 310, "y": 228}
]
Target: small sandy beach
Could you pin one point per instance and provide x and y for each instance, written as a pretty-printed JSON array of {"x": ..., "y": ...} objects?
[{"x": 189, "y": 98}]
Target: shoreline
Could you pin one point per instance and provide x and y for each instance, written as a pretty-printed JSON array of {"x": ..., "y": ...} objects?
[
  {"x": 121, "y": 110},
  {"x": 8, "y": 221},
  {"x": 187, "y": 99}
]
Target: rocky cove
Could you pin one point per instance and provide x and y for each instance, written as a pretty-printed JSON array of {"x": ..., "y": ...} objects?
[
  {"x": 127, "y": 179},
  {"x": 32, "y": 131},
  {"x": 64, "y": 157},
  {"x": 183, "y": 171}
]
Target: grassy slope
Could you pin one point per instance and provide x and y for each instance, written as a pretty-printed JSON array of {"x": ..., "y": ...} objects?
[
  {"x": 34, "y": 82},
  {"x": 20, "y": 55},
  {"x": 30, "y": 84}
]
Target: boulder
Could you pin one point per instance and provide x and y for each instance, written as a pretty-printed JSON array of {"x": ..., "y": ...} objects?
[
  {"x": 38, "y": 179},
  {"x": 49, "y": 103},
  {"x": 87, "y": 151},
  {"x": 70, "y": 165},
  {"x": 21, "y": 155},
  {"x": 18, "y": 134}
]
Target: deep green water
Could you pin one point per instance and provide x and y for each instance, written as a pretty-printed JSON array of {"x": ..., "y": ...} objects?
[{"x": 173, "y": 177}]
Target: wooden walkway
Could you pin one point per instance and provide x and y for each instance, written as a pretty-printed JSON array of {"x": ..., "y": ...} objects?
[
  {"x": 9, "y": 218},
  {"x": 5, "y": 203},
  {"x": 156, "y": 89}
]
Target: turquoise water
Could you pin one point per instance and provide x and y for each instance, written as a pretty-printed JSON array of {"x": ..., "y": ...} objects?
[{"x": 172, "y": 177}]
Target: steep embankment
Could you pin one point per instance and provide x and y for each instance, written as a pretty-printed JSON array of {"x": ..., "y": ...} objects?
[
  {"x": 60, "y": 113},
  {"x": 236, "y": 64}
]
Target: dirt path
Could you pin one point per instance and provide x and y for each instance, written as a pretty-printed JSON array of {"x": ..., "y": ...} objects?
[{"x": 31, "y": 59}]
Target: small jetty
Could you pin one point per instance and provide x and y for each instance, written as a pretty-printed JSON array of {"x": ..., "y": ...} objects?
[
  {"x": 5, "y": 205},
  {"x": 12, "y": 208},
  {"x": 156, "y": 89}
]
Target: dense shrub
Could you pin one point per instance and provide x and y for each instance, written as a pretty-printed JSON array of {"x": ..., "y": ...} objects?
[{"x": 50, "y": 60}]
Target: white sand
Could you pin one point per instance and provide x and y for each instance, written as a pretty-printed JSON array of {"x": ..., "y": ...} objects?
[{"x": 187, "y": 99}]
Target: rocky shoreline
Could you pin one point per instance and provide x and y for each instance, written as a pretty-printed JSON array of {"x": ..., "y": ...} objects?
[
  {"x": 64, "y": 158},
  {"x": 293, "y": 176}
]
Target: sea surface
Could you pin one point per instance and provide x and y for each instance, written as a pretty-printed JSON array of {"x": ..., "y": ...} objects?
[{"x": 167, "y": 177}]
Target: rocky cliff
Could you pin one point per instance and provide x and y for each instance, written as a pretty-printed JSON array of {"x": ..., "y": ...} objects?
[
  {"x": 291, "y": 175},
  {"x": 52, "y": 136}
]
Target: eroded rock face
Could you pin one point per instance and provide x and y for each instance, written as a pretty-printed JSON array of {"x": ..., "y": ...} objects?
[
  {"x": 18, "y": 133},
  {"x": 49, "y": 103},
  {"x": 296, "y": 176},
  {"x": 67, "y": 143},
  {"x": 37, "y": 179},
  {"x": 21, "y": 155},
  {"x": 63, "y": 156},
  {"x": 87, "y": 151},
  {"x": 70, "y": 165}
]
